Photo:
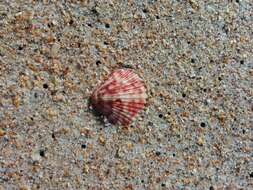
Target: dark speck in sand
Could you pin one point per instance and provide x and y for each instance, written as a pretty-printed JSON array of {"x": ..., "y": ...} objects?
[
  {"x": 202, "y": 124},
  {"x": 42, "y": 153},
  {"x": 45, "y": 86},
  {"x": 158, "y": 153}
]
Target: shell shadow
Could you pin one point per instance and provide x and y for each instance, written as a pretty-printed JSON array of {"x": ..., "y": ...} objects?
[{"x": 97, "y": 114}]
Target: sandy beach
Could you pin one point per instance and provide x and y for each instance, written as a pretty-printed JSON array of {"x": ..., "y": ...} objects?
[{"x": 196, "y": 60}]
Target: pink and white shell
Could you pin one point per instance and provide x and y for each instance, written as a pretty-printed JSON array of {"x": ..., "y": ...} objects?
[{"x": 121, "y": 97}]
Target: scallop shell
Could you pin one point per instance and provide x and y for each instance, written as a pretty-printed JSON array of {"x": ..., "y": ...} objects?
[{"x": 121, "y": 97}]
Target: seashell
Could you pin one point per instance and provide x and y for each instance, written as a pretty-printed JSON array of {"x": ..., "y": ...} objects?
[{"x": 121, "y": 97}]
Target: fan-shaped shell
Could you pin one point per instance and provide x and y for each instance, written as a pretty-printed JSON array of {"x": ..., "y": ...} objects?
[{"x": 120, "y": 97}]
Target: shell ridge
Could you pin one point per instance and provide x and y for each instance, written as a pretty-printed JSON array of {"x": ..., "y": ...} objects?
[
  {"x": 124, "y": 97},
  {"x": 118, "y": 85},
  {"x": 135, "y": 90},
  {"x": 128, "y": 108},
  {"x": 125, "y": 109},
  {"x": 120, "y": 115},
  {"x": 121, "y": 91}
]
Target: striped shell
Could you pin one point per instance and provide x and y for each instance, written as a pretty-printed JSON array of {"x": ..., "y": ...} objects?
[{"x": 120, "y": 97}]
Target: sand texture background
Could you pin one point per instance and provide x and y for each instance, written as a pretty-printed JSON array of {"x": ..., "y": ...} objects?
[{"x": 195, "y": 57}]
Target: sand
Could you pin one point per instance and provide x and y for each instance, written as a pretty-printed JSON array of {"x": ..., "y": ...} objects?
[{"x": 195, "y": 58}]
